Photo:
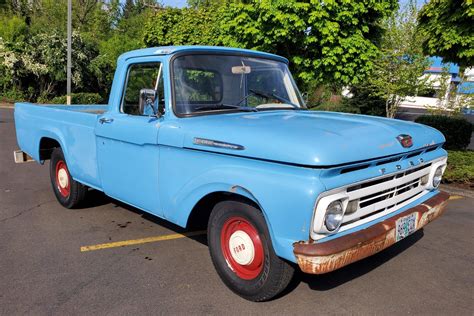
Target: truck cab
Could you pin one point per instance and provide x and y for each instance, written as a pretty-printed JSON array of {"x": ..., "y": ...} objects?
[{"x": 221, "y": 137}]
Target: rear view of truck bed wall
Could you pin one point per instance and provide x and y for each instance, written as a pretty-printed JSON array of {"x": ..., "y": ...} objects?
[{"x": 71, "y": 126}]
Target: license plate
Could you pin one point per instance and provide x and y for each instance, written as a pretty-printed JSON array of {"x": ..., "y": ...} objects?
[{"x": 406, "y": 226}]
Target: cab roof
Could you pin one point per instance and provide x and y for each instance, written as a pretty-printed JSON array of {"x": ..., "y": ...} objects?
[{"x": 172, "y": 50}]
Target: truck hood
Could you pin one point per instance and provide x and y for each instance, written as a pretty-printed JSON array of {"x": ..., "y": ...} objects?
[{"x": 309, "y": 138}]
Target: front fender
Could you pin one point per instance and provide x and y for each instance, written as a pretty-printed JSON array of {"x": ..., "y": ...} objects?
[
  {"x": 285, "y": 194},
  {"x": 186, "y": 200}
]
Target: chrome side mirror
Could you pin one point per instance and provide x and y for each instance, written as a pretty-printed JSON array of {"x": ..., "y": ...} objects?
[{"x": 147, "y": 102}]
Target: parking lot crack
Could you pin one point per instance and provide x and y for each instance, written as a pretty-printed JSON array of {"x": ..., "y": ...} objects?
[{"x": 3, "y": 220}]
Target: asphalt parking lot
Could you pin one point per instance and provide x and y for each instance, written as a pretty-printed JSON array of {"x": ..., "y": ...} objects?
[{"x": 43, "y": 270}]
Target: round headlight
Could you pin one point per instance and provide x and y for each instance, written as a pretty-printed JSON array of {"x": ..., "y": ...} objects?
[
  {"x": 425, "y": 179},
  {"x": 437, "y": 176},
  {"x": 334, "y": 215}
]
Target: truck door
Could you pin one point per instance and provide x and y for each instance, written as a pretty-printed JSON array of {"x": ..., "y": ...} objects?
[{"x": 127, "y": 147}]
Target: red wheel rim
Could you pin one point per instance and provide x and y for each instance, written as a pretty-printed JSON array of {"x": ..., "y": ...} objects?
[
  {"x": 242, "y": 248},
  {"x": 63, "y": 179}
]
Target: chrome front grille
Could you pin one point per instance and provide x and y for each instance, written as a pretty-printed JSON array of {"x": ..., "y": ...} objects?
[
  {"x": 385, "y": 193},
  {"x": 371, "y": 199}
]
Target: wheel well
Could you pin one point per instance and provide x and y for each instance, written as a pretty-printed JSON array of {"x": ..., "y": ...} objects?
[
  {"x": 202, "y": 210},
  {"x": 46, "y": 147}
]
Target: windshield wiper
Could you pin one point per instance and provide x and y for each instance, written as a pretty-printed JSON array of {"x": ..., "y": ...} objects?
[
  {"x": 274, "y": 96},
  {"x": 225, "y": 107},
  {"x": 267, "y": 96}
]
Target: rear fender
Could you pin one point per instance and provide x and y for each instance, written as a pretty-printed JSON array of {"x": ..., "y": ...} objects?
[{"x": 53, "y": 135}]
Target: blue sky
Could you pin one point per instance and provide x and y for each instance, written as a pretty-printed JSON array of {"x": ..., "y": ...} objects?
[{"x": 174, "y": 3}]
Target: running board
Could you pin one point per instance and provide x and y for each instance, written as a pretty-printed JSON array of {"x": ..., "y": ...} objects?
[{"x": 21, "y": 157}]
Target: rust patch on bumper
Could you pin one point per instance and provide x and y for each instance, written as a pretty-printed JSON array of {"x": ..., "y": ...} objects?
[{"x": 319, "y": 258}]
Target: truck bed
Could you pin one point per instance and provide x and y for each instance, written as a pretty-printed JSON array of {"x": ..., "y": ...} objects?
[
  {"x": 84, "y": 108},
  {"x": 72, "y": 126}
]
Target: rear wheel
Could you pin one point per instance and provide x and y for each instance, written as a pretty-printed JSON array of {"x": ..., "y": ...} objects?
[
  {"x": 69, "y": 192},
  {"x": 242, "y": 252}
]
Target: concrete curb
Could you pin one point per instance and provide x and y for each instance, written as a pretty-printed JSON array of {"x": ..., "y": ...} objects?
[
  {"x": 456, "y": 191},
  {"x": 7, "y": 106}
]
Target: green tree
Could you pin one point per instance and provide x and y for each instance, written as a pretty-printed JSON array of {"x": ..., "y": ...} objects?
[
  {"x": 125, "y": 37},
  {"x": 126, "y": 33},
  {"x": 29, "y": 67},
  {"x": 452, "y": 98},
  {"x": 23, "y": 8},
  {"x": 326, "y": 41},
  {"x": 448, "y": 30},
  {"x": 207, "y": 3},
  {"x": 4, "y": 5},
  {"x": 398, "y": 70},
  {"x": 365, "y": 99},
  {"x": 13, "y": 28},
  {"x": 88, "y": 16},
  {"x": 135, "y": 7},
  {"x": 128, "y": 9},
  {"x": 187, "y": 26}
]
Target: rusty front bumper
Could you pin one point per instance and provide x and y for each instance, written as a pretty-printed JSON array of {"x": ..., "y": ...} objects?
[{"x": 319, "y": 258}]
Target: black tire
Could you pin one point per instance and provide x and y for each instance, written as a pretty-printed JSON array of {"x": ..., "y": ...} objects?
[
  {"x": 252, "y": 281},
  {"x": 68, "y": 192}
]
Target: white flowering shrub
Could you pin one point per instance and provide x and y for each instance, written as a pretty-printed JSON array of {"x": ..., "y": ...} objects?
[{"x": 37, "y": 66}]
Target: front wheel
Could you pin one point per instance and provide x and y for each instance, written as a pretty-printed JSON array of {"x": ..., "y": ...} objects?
[
  {"x": 242, "y": 252},
  {"x": 68, "y": 192}
]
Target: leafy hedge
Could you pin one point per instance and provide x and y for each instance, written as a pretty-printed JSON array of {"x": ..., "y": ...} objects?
[
  {"x": 79, "y": 98},
  {"x": 456, "y": 130},
  {"x": 460, "y": 167},
  {"x": 336, "y": 107}
]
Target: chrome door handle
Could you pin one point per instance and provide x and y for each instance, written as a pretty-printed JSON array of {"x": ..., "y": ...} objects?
[{"x": 103, "y": 120}]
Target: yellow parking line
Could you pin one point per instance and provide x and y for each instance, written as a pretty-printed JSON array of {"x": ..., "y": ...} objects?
[
  {"x": 455, "y": 197},
  {"x": 140, "y": 241}
]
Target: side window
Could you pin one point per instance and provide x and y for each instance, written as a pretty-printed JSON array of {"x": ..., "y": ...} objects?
[
  {"x": 142, "y": 76},
  {"x": 197, "y": 86}
]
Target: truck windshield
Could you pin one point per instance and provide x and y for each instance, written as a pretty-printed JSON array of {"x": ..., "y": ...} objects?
[{"x": 223, "y": 83}]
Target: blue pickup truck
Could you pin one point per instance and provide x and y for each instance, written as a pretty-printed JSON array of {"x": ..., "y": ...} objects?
[{"x": 221, "y": 137}]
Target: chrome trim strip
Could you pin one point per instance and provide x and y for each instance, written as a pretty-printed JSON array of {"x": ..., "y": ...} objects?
[{"x": 216, "y": 143}]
